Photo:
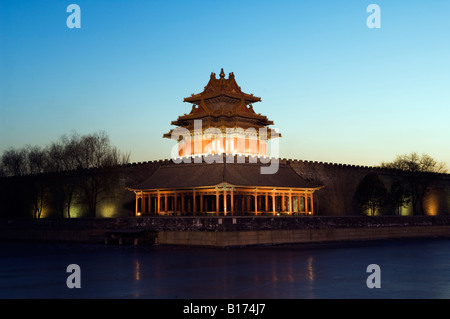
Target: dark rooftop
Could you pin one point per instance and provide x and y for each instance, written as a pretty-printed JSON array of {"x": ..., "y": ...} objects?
[{"x": 238, "y": 174}]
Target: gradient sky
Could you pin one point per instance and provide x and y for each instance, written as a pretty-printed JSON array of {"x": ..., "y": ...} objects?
[{"x": 336, "y": 90}]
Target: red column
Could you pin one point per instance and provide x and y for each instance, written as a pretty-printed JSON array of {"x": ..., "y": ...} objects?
[
  {"x": 273, "y": 203},
  {"x": 267, "y": 203},
  {"x": 159, "y": 204},
  {"x": 305, "y": 203},
  {"x": 217, "y": 202},
  {"x": 224, "y": 202},
  {"x": 232, "y": 202},
  {"x": 194, "y": 204},
  {"x": 137, "y": 199},
  {"x": 290, "y": 204}
]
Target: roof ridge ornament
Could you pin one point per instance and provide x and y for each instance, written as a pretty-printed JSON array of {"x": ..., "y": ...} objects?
[{"x": 222, "y": 74}]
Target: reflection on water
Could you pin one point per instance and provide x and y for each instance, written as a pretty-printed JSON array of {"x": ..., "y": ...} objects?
[
  {"x": 137, "y": 274},
  {"x": 310, "y": 268},
  {"x": 409, "y": 269}
]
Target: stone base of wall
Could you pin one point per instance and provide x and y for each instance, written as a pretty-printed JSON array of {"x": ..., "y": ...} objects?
[
  {"x": 226, "y": 231},
  {"x": 55, "y": 235},
  {"x": 296, "y": 236}
]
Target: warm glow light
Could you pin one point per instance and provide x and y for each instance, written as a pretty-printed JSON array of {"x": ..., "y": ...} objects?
[
  {"x": 76, "y": 211},
  {"x": 240, "y": 144},
  {"x": 432, "y": 205},
  {"x": 108, "y": 209},
  {"x": 44, "y": 213}
]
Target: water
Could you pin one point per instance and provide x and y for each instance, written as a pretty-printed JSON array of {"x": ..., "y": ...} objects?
[{"x": 409, "y": 269}]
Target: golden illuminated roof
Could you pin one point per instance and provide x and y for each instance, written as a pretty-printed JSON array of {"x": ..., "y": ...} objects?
[
  {"x": 222, "y": 88},
  {"x": 222, "y": 104}
]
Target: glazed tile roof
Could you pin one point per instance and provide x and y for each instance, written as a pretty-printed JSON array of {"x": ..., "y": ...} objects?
[
  {"x": 179, "y": 176},
  {"x": 220, "y": 87}
]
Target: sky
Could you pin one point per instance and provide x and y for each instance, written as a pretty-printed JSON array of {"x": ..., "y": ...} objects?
[{"x": 337, "y": 90}]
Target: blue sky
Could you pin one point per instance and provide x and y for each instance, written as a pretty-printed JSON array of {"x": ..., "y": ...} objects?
[{"x": 336, "y": 90}]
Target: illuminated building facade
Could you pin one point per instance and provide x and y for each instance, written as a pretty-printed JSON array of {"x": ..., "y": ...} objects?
[
  {"x": 222, "y": 125},
  {"x": 223, "y": 189}
]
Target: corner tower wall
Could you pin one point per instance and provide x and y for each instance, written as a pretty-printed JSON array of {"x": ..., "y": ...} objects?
[{"x": 341, "y": 181}]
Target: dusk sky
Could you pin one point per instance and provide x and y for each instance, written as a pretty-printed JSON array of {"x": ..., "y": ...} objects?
[{"x": 337, "y": 90}]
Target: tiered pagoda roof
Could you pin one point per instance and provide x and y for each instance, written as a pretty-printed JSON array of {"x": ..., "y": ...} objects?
[{"x": 222, "y": 104}]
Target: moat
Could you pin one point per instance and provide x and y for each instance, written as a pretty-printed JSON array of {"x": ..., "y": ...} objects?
[{"x": 413, "y": 268}]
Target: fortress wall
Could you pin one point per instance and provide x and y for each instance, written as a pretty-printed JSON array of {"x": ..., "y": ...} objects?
[
  {"x": 296, "y": 236},
  {"x": 341, "y": 181},
  {"x": 335, "y": 199}
]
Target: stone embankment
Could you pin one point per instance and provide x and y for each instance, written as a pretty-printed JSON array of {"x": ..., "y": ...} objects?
[{"x": 226, "y": 231}]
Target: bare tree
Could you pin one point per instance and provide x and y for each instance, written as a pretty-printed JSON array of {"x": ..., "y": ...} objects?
[
  {"x": 63, "y": 161},
  {"x": 399, "y": 196},
  {"x": 87, "y": 161},
  {"x": 420, "y": 172},
  {"x": 29, "y": 160},
  {"x": 98, "y": 179},
  {"x": 36, "y": 159},
  {"x": 38, "y": 193},
  {"x": 25, "y": 161},
  {"x": 76, "y": 163},
  {"x": 371, "y": 193},
  {"x": 14, "y": 162}
]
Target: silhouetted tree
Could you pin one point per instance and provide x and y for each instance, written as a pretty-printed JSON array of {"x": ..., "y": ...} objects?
[
  {"x": 399, "y": 196},
  {"x": 38, "y": 191},
  {"x": 63, "y": 187},
  {"x": 63, "y": 158},
  {"x": 24, "y": 161},
  {"x": 36, "y": 159},
  {"x": 419, "y": 173},
  {"x": 98, "y": 179},
  {"x": 371, "y": 193},
  {"x": 14, "y": 162},
  {"x": 90, "y": 159},
  {"x": 37, "y": 162},
  {"x": 80, "y": 163},
  {"x": 29, "y": 160}
]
